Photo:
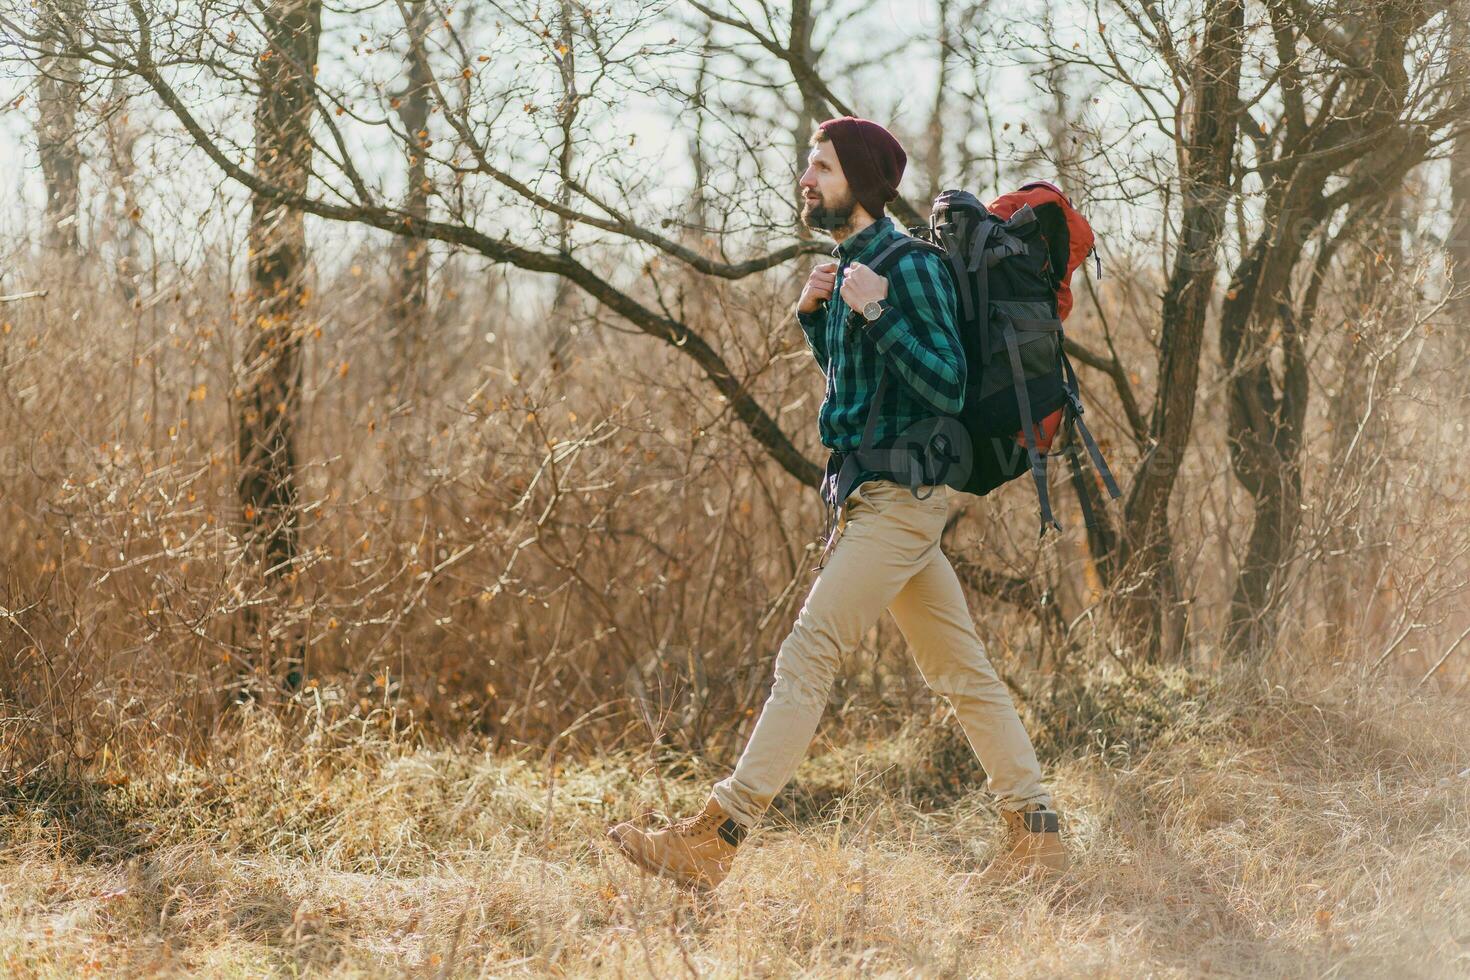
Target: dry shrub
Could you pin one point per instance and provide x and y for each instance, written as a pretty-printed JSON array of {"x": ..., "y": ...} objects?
[
  {"x": 501, "y": 554},
  {"x": 572, "y": 556}
]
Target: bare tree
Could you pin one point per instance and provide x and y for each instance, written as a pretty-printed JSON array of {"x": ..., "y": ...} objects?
[
  {"x": 472, "y": 155},
  {"x": 410, "y": 255},
  {"x": 609, "y": 515},
  {"x": 565, "y": 56},
  {"x": 269, "y": 391},
  {"x": 800, "y": 59},
  {"x": 1207, "y": 154},
  {"x": 810, "y": 108},
  {"x": 1311, "y": 165},
  {"x": 58, "y": 102},
  {"x": 937, "y": 130},
  {"x": 122, "y": 134},
  {"x": 600, "y": 200},
  {"x": 1460, "y": 177},
  {"x": 1362, "y": 140},
  {"x": 698, "y": 155}
]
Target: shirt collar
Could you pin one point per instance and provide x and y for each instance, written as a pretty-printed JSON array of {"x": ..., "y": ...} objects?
[{"x": 854, "y": 245}]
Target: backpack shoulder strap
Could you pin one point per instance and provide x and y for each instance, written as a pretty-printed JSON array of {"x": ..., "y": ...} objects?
[
  {"x": 897, "y": 249},
  {"x": 866, "y": 456},
  {"x": 885, "y": 261}
]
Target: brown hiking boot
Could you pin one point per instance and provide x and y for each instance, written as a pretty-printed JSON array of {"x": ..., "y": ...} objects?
[
  {"x": 695, "y": 852},
  {"x": 1032, "y": 846}
]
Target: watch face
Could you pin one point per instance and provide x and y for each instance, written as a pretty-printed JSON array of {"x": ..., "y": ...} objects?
[{"x": 873, "y": 310}]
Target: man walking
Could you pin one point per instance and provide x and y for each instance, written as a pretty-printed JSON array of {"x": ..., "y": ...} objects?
[{"x": 885, "y": 552}]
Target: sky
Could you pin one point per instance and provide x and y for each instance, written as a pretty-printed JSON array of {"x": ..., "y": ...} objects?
[
  {"x": 185, "y": 194},
  {"x": 187, "y": 203}
]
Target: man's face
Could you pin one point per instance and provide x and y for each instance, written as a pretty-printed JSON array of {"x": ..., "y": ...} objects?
[{"x": 827, "y": 202}]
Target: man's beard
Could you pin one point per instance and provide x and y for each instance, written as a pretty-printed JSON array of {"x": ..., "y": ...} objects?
[{"x": 819, "y": 217}]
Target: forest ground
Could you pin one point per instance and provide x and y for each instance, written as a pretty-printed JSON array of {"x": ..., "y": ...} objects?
[{"x": 1219, "y": 829}]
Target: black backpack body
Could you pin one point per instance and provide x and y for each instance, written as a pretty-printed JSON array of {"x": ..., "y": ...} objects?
[{"x": 1020, "y": 388}]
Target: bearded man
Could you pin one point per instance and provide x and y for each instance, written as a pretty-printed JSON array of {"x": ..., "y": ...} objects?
[{"x": 884, "y": 552}]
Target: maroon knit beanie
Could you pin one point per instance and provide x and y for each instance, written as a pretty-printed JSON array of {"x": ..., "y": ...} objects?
[{"x": 872, "y": 160}]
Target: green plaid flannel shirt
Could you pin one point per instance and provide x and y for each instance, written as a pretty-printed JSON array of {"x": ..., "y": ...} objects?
[{"x": 917, "y": 340}]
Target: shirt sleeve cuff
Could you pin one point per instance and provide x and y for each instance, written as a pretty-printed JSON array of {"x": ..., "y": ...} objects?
[
  {"x": 884, "y": 331},
  {"x": 810, "y": 321}
]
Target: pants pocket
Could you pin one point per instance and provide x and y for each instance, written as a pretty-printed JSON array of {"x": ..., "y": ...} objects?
[{"x": 886, "y": 496}]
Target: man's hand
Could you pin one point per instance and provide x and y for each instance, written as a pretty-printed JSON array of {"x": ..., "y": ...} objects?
[
  {"x": 818, "y": 287},
  {"x": 862, "y": 286}
]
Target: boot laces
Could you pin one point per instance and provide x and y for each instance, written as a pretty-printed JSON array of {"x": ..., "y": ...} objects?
[{"x": 700, "y": 822}]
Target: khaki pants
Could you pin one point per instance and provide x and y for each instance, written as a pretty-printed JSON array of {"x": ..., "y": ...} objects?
[{"x": 887, "y": 557}]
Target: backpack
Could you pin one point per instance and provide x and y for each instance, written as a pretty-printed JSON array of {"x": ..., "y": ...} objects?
[{"x": 1011, "y": 265}]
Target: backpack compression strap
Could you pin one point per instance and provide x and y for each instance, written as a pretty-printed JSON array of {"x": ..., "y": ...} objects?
[
  {"x": 1028, "y": 424},
  {"x": 973, "y": 285},
  {"x": 1074, "y": 400}
]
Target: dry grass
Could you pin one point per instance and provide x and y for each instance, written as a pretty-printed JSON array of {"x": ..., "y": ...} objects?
[{"x": 1247, "y": 832}]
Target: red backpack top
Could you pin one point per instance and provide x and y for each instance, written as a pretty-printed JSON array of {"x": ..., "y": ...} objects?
[{"x": 1069, "y": 237}]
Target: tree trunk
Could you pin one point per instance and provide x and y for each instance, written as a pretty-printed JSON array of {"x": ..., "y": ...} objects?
[
  {"x": 411, "y": 255},
  {"x": 812, "y": 110},
  {"x": 1459, "y": 249},
  {"x": 271, "y": 375},
  {"x": 58, "y": 99},
  {"x": 1259, "y": 319},
  {"x": 934, "y": 137},
  {"x": 1264, "y": 418},
  {"x": 562, "y": 312},
  {"x": 697, "y": 155},
  {"x": 125, "y": 215},
  {"x": 1152, "y": 610}
]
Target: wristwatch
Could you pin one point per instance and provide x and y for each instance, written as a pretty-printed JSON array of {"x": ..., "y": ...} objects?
[{"x": 874, "y": 310}]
